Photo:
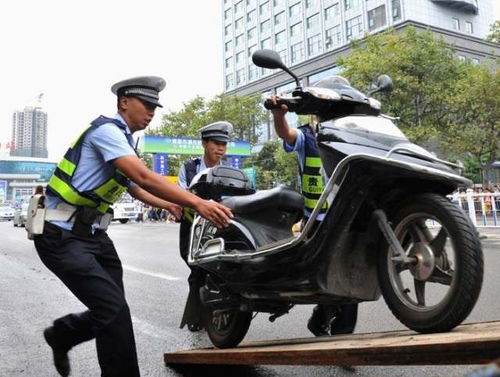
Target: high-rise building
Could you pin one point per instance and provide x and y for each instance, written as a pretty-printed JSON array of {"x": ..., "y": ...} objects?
[
  {"x": 29, "y": 131},
  {"x": 308, "y": 34}
]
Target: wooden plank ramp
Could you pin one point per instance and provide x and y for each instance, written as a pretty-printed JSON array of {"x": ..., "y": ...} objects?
[{"x": 475, "y": 343}]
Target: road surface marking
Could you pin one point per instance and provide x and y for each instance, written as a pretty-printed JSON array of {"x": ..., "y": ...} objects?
[{"x": 150, "y": 273}]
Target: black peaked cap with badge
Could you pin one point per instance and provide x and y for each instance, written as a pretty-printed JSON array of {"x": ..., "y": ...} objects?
[
  {"x": 218, "y": 131},
  {"x": 146, "y": 88}
]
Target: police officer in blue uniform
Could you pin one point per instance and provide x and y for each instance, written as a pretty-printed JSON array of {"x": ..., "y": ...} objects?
[
  {"x": 97, "y": 168},
  {"x": 325, "y": 319},
  {"x": 214, "y": 139}
]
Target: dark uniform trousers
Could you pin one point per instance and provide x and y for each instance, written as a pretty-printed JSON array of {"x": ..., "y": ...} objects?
[{"x": 91, "y": 269}]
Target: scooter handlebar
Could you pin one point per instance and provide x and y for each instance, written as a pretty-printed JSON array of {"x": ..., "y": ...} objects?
[{"x": 291, "y": 102}]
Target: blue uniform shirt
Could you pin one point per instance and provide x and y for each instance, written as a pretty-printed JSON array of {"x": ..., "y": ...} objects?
[
  {"x": 300, "y": 148},
  {"x": 100, "y": 146}
]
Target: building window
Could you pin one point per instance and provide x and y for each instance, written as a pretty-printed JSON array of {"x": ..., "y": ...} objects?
[
  {"x": 251, "y": 50},
  {"x": 377, "y": 18},
  {"x": 284, "y": 55},
  {"x": 251, "y": 33},
  {"x": 266, "y": 43},
  {"x": 238, "y": 23},
  {"x": 351, "y": 4},
  {"x": 297, "y": 52},
  {"x": 240, "y": 76},
  {"x": 250, "y": 3},
  {"x": 251, "y": 16},
  {"x": 332, "y": 11},
  {"x": 238, "y": 7},
  {"x": 264, "y": 7},
  {"x": 239, "y": 57},
  {"x": 475, "y": 61},
  {"x": 333, "y": 37},
  {"x": 462, "y": 58},
  {"x": 314, "y": 45},
  {"x": 312, "y": 23},
  {"x": 238, "y": 40},
  {"x": 227, "y": 30},
  {"x": 279, "y": 18},
  {"x": 396, "y": 10},
  {"x": 295, "y": 9},
  {"x": 310, "y": 3},
  {"x": 354, "y": 27},
  {"x": 229, "y": 81},
  {"x": 228, "y": 46},
  {"x": 228, "y": 62},
  {"x": 265, "y": 26},
  {"x": 278, "y": 3},
  {"x": 253, "y": 72},
  {"x": 279, "y": 38},
  {"x": 455, "y": 23},
  {"x": 227, "y": 14},
  {"x": 296, "y": 29},
  {"x": 468, "y": 27}
]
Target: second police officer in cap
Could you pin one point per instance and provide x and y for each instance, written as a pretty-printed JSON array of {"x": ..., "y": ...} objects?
[
  {"x": 214, "y": 139},
  {"x": 94, "y": 173}
]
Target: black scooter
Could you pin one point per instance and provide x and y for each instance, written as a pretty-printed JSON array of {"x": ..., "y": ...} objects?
[{"x": 389, "y": 228}]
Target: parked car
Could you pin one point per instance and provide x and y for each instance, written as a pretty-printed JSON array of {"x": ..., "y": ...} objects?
[
  {"x": 21, "y": 214},
  {"x": 125, "y": 210},
  {"x": 6, "y": 212}
]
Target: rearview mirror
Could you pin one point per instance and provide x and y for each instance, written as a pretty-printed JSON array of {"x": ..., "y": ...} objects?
[
  {"x": 384, "y": 84},
  {"x": 271, "y": 60},
  {"x": 267, "y": 59}
]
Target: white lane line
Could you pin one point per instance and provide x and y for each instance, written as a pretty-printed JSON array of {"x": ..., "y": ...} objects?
[
  {"x": 150, "y": 273},
  {"x": 153, "y": 331}
]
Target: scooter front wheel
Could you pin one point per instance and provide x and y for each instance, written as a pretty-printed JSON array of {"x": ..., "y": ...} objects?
[
  {"x": 438, "y": 289},
  {"x": 226, "y": 328}
]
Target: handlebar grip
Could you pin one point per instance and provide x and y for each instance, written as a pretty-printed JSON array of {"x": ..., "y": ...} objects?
[
  {"x": 269, "y": 105},
  {"x": 291, "y": 102}
]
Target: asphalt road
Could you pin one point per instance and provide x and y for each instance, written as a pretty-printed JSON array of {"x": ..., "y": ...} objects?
[{"x": 155, "y": 282}]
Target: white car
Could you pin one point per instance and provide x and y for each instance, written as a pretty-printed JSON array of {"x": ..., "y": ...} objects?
[
  {"x": 6, "y": 212},
  {"x": 125, "y": 210},
  {"x": 21, "y": 215}
]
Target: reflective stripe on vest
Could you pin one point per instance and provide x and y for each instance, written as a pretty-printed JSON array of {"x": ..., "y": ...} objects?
[
  {"x": 100, "y": 197},
  {"x": 311, "y": 178}
]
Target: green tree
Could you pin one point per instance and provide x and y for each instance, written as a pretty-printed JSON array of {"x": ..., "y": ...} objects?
[
  {"x": 245, "y": 113},
  {"x": 274, "y": 166},
  {"x": 424, "y": 70},
  {"x": 494, "y": 35},
  {"x": 476, "y": 118}
]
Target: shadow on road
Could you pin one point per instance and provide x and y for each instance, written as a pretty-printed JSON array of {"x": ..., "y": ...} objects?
[{"x": 185, "y": 370}]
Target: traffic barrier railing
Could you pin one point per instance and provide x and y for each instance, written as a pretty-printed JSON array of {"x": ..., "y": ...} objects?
[{"x": 483, "y": 208}]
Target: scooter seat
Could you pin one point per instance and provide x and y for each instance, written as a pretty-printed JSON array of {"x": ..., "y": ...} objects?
[{"x": 282, "y": 197}]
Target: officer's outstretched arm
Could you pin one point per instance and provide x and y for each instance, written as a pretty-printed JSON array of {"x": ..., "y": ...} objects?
[
  {"x": 154, "y": 201},
  {"x": 158, "y": 186}
]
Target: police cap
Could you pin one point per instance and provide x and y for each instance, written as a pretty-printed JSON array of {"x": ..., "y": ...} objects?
[
  {"x": 219, "y": 131},
  {"x": 146, "y": 88}
]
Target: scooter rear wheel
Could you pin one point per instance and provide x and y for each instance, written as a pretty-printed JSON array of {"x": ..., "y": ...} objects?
[
  {"x": 439, "y": 289},
  {"x": 227, "y": 328}
]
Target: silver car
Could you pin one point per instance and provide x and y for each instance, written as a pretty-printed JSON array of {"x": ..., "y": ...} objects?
[
  {"x": 21, "y": 215},
  {"x": 6, "y": 212}
]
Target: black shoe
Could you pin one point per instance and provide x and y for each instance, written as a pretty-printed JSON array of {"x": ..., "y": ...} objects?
[
  {"x": 318, "y": 328},
  {"x": 60, "y": 354}
]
